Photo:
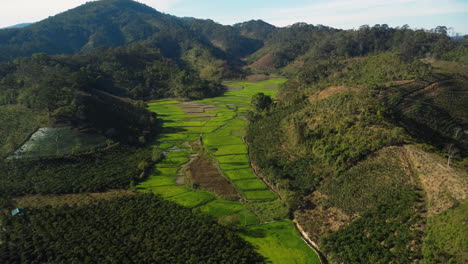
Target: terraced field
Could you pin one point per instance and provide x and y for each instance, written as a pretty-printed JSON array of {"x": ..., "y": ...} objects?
[{"x": 211, "y": 131}]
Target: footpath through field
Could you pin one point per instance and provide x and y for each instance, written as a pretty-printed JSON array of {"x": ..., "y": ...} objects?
[{"x": 205, "y": 159}]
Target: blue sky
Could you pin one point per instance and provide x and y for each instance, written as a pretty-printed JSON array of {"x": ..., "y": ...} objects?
[{"x": 344, "y": 14}]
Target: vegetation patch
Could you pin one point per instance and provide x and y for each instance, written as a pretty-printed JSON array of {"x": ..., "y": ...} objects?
[
  {"x": 250, "y": 184},
  {"x": 280, "y": 242},
  {"x": 259, "y": 195},
  {"x": 169, "y": 191},
  {"x": 239, "y": 174},
  {"x": 17, "y": 125},
  {"x": 219, "y": 208},
  {"x": 145, "y": 228},
  {"x": 113, "y": 168},
  {"x": 192, "y": 199},
  {"x": 36, "y": 201},
  {"x": 154, "y": 181},
  {"x": 446, "y": 240}
]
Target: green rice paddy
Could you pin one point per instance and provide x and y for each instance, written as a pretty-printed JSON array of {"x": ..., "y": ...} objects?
[
  {"x": 280, "y": 243},
  {"x": 220, "y": 125}
]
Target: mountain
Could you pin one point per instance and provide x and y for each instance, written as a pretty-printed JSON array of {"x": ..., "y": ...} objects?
[
  {"x": 22, "y": 25},
  {"x": 212, "y": 49}
]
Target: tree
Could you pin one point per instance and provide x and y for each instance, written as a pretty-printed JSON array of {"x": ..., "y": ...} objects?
[{"x": 261, "y": 102}]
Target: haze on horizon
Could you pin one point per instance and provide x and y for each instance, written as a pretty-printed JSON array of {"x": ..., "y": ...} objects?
[{"x": 344, "y": 14}]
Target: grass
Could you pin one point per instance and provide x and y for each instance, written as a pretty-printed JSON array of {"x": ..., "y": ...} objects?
[
  {"x": 447, "y": 236},
  {"x": 166, "y": 171},
  {"x": 260, "y": 195},
  {"x": 240, "y": 174},
  {"x": 154, "y": 181},
  {"x": 233, "y": 159},
  {"x": 231, "y": 149},
  {"x": 17, "y": 125},
  {"x": 230, "y": 166},
  {"x": 247, "y": 218},
  {"x": 192, "y": 199},
  {"x": 280, "y": 243},
  {"x": 169, "y": 191},
  {"x": 250, "y": 184},
  {"x": 219, "y": 208}
]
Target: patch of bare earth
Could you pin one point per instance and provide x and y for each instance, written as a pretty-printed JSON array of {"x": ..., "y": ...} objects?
[
  {"x": 204, "y": 173},
  {"x": 266, "y": 62},
  {"x": 236, "y": 88},
  {"x": 325, "y": 219},
  {"x": 330, "y": 91},
  {"x": 445, "y": 187},
  {"x": 69, "y": 199}
]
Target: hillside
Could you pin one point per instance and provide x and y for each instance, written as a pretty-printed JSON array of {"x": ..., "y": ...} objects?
[
  {"x": 367, "y": 141},
  {"x": 289, "y": 49}
]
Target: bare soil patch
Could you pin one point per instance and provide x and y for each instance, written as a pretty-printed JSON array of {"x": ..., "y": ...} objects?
[
  {"x": 70, "y": 199},
  {"x": 265, "y": 63},
  {"x": 236, "y": 88},
  {"x": 325, "y": 219},
  {"x": 204, "y": 173},
  {"x": 180, "y": 180},
  {"x": 202, "y": 114}
]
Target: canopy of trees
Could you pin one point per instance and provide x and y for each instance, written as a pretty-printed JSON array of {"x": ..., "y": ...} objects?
[{"x": 135, "y": 229}]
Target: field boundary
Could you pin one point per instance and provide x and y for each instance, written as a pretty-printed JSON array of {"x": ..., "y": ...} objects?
[
  {"x": 257, "y": 172},
  {"x": 309, "y": 241}
]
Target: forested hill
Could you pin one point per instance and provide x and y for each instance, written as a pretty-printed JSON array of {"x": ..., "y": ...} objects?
[
  {"x": 376, "y": 148},
  {"x": 289, "y": 48},
  {"x": 203, "y": 44}
]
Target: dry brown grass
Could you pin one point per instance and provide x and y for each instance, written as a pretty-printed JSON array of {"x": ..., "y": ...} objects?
[
  {"x": 325, "y": 219},
  {"x": 70, "y": 199},
  {"x": 266, "y": 62},
  {"x": 330, "y": 91},
  {"x": 445, "y": 187}
]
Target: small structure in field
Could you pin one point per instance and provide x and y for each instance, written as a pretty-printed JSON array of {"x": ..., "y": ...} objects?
[{"x": 17, "y": 211}]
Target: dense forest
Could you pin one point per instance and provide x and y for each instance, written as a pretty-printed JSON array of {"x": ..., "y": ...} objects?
[{"x": 135, "y": 229}]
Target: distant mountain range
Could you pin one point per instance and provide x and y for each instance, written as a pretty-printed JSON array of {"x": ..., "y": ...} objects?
[{"x": 22, "y": 25}]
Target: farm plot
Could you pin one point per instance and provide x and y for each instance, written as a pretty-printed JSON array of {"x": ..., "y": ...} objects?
[
  {"x": 202, "y": 172},
  {"x": 192, "y": 199},
  {"x": 280, "y": 242}
]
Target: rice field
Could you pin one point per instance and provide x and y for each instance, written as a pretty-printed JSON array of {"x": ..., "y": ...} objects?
[
  {"x": 280, "y": 243},
  {"x": 220, "y": 124}
]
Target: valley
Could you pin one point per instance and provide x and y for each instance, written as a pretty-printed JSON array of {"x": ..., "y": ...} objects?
[
  {"x": 202, "y": 144},
  {"x": 128, "y": 135}
]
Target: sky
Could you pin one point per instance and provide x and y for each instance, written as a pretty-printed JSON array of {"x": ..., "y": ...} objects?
[{"x": 344, "y": 14}]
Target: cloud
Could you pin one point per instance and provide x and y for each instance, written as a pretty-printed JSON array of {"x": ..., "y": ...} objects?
[
  {"x": 20, "y": 11},
  {"x": 358, "y": 12}
]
